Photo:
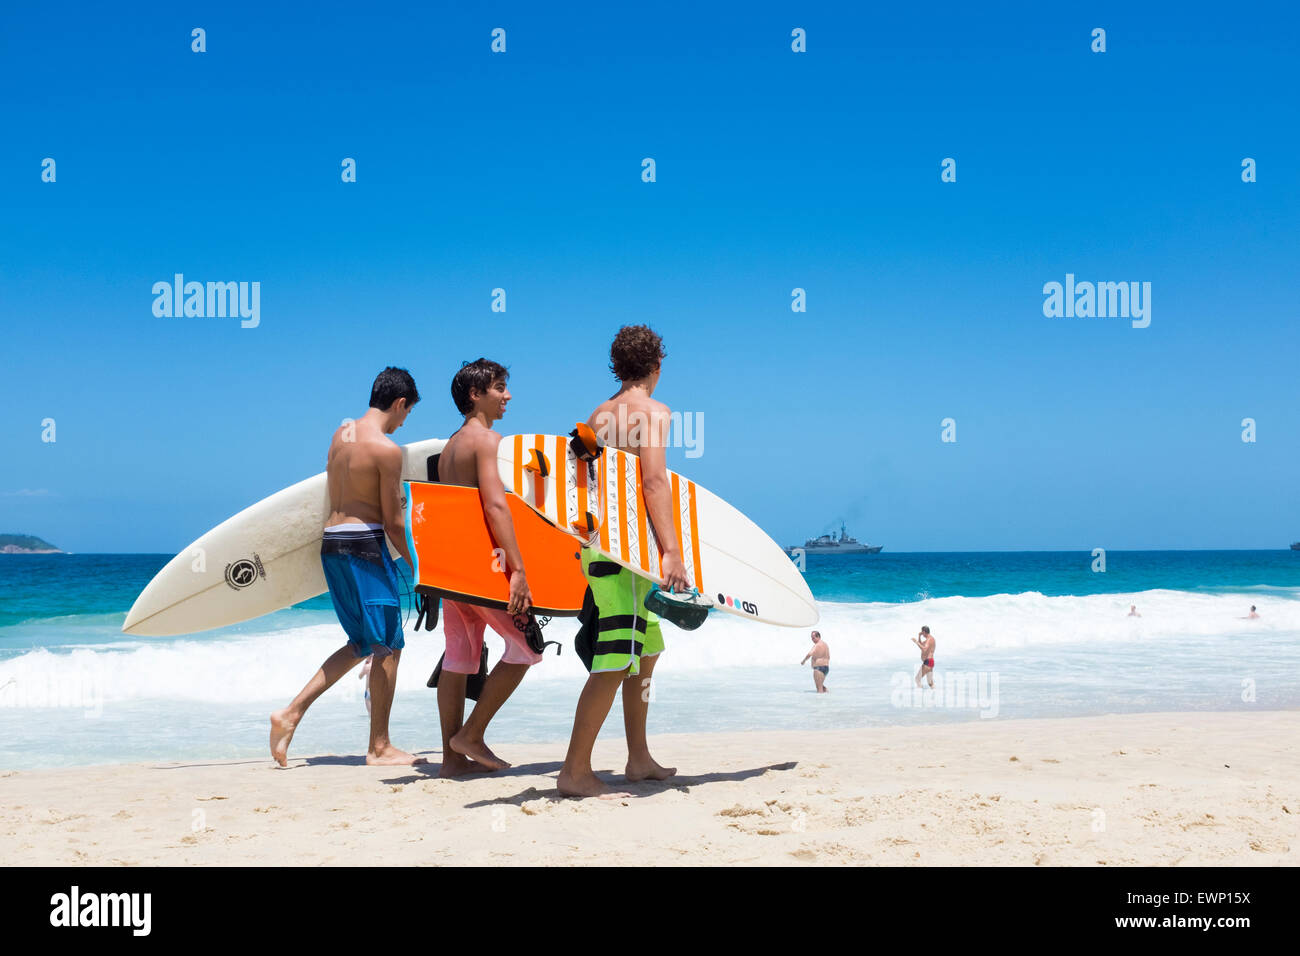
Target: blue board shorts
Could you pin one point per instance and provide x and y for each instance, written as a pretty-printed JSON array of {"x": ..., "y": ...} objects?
[{"x": 362, "y": 579}]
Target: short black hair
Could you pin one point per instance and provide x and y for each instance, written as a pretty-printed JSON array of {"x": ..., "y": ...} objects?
[
  {"x": 924, "y": 629},
  {"x": 390, "y": 385},
  {"x": 479, "y": 374}
]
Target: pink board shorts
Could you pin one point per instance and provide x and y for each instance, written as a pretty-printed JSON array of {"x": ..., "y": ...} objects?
[{"x": 463, "y": 625}]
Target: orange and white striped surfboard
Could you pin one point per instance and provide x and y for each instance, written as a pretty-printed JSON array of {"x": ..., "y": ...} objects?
[{"x": 727, "y": 557}]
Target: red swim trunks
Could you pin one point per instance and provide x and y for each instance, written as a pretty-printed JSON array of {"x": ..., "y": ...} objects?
[{"x": 928, "y": 662}]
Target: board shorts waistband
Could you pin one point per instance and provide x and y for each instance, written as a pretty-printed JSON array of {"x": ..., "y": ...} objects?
[
  {"x": 355, "y": 526},
  {"x": 359, "y": 541}
]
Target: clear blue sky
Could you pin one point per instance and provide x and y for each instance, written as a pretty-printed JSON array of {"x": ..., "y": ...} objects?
[{"x": 775, "y": 171}]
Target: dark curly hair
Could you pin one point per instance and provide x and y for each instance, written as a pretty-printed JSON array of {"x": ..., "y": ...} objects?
[
  {"x": 478, "y": 374},
  {"x": 636, "y": 352}
]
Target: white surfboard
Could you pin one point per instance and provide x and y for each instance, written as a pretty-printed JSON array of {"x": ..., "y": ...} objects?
[
  {"x": 727, "y": 557},
  {"x": 265, "y": 558}
]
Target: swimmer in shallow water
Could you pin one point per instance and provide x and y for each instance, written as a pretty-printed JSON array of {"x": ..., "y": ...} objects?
[
  {"x": 821, "y": 662},
  {"x": 925, "y": 641}
]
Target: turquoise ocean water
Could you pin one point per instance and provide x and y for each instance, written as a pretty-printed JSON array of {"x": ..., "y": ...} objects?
[{"x": 1029, "y": 634}]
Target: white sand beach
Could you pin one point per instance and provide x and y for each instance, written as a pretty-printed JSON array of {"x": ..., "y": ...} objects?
[{"x": 1140, "y": 789}]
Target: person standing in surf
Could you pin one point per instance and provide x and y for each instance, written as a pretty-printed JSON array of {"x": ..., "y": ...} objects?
[
  {"x": 470, "y": 458},
  {"x": 925, "y": 641},
  {"x": 626, "y": 638},
  {"x": 364, "y": 472},
  {"x": 821, "y": 661}
]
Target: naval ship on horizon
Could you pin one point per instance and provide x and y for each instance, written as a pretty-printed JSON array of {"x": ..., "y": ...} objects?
[{"x": 829, "y": 544}]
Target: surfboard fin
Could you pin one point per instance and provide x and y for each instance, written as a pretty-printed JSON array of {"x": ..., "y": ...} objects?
[
  {"x": 473, "y": 682},
  {"x": 584, "y": 442},
  {"x": 428, "y": 603},
  {"x": 538, "y": 463},
  {"x": 585, "y": 528}
]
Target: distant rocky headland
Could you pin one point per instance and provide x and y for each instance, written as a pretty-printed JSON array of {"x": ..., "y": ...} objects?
[{"x": 26, "y": 544}]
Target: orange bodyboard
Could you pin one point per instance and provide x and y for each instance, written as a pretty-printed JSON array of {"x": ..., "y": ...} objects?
[{"x": 455, "y": 552}]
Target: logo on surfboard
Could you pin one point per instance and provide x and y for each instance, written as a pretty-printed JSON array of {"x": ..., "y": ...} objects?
[
  {"x": 240, "y": 574},
  {"x": 745, "y": 606}
]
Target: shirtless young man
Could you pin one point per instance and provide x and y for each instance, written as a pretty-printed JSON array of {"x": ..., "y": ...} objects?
[
  {"x": 364, "y": 470},
  {"x": 925, "y": 641},
  {"x": 821, "y": 661},
  {"x": 470, "y": 458},
  {"x": 624, "y": 656}
]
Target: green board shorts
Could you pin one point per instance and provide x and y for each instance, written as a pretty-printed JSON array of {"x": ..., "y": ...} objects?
[{"x": 623, "y": 630}]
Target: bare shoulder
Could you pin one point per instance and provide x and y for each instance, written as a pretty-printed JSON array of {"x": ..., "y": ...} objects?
[
  {"x": 485, "y": 440},
  {"x": 599, "y": 414},
  {"x": 657, "y": 408},
  {"x": 386, "y": 452}
]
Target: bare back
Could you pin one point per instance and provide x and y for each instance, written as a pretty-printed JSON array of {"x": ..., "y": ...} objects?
[
  {"x": 353, "y": 473},
  {"x": 631, "y": 421},
  {"x": 465, "y": 454}
]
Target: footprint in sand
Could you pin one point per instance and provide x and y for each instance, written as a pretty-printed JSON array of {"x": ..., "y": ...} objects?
[{"x": 777, "y": 818}]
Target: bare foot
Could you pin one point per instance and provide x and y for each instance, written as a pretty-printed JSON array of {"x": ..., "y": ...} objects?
[
  {"x": 586, "y": 785},
  {"x": 456, "y": 765},
  {"x": 476, "y": 750},
  {"x": 390, "y": 756},
  {"x": 282, "y": 728},
  {"x": 646, "y": 769}
]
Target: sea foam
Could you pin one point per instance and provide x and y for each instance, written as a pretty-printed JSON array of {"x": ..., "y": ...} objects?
[{"x": 273, "y": 661}]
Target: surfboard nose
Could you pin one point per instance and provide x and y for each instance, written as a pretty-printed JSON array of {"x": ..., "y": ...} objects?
[
  {"x": 154, "y": 612},
  {"x": 146, "y": 606}
]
